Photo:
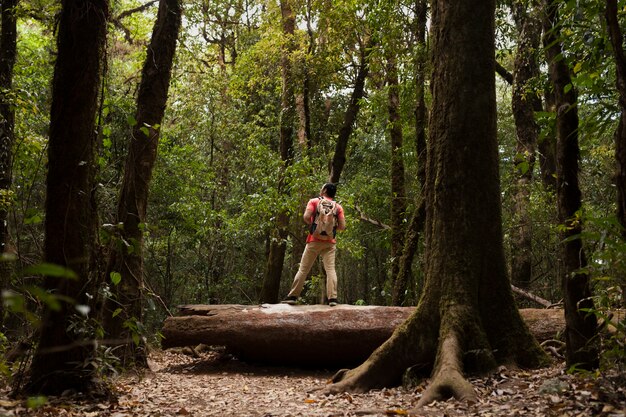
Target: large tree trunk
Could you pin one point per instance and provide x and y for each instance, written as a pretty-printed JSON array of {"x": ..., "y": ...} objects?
[
  {"x": 617, "y": 41},
  {"x": 398, "y": 192},
  {"x": 8, "y": 52},
  {"x": 278, "y": 240},
  {"x": 416, "y": 224},
  {"x": 466, "y": 319},
  {"x": 580, "y": 326},
  {"x": 126, "y": 256},
  {"x": 349, "y": 118},
  {"x": 60, "y": 361},
  {"x": 525, "y": 102},
  {"x": 313, "y": 335}
]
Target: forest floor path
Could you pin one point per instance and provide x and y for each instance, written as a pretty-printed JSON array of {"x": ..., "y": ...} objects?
[{"x": 214, "y": 384}]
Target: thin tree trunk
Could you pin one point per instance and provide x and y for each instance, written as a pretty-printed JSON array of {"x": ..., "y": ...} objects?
[
  {"x": 525, "y": 102},
  {"x": 278, "y": 240},
  {"x": 416, "y": 224},
  {"x": 617, "y": 41},
  {"x": 127, "y": 254},
  {"x": 304, "y": 138},
  {"x": 398, "y": 191},
  {"x": 547, "y": 149},
  {"x": 341, "y": 147},
  {"x": 8, "y": 52},
  {"x": 60, "y": 361},
  {"x": 580, "y": 327}
]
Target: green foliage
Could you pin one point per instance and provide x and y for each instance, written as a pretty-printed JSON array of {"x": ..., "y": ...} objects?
[
  {"x": 219, "y": 179},
  {"x": 51, "y": 270},
  {"x": 36, "y": 402},
  {"x": 5, "y": 369},
  {"x": 607, "y": 266}
]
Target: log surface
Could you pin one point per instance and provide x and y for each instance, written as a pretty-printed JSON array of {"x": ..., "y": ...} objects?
[{"x": 315, "y": 335}]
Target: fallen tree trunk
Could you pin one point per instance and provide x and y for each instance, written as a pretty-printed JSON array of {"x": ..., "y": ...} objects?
[{"x": 315, "y": 335}]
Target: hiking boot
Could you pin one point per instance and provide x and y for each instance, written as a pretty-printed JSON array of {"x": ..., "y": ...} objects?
[
  {"x": 291, "y": 300},
  {"x": 332, "y": 302}
]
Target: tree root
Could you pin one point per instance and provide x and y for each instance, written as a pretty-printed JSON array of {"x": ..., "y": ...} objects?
[
  {"x": 387, "y": 364},
  {"x": 448, "y": 380},
  {"x": 355, "y": 380}
]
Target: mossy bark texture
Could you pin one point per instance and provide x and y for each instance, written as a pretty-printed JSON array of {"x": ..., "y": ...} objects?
[
  {"x": 70, "y": 227},
  {"x": 466, "y": 320}
]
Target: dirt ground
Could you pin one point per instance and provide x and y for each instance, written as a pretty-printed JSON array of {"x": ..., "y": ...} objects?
[{"x": 215, "y": 384}]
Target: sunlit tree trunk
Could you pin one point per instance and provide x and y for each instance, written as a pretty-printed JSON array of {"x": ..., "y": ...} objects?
[
  {"x": 580, "y": 328},
  {"x": 278, "y": 239},
  {"x": 525, "y": 102},
  {"x": 126, "y": 259},
  {"x": 60, "y": 362},
  {"x": 466, "y": 319},
  {"x": 8, "y": 51}
]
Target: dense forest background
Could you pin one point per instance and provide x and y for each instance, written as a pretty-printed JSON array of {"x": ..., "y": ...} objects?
[{"x": 227, "y": 188}]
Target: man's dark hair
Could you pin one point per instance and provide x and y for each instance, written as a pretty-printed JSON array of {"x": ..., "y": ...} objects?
[{"x": 331, "y": 189}]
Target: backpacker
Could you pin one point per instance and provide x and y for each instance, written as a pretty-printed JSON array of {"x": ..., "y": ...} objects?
[{"x": 325, "y": 222}]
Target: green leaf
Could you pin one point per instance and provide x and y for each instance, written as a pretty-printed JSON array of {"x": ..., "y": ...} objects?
[
  {"x": 131, "y": 120},
  {"x": 578, "y": 67},
  {"x": 116, "y": 278},
  {"x": 36, "y": 402},
  {"x": 51, "y": 270},
  {"x": 34, "y": 219},
  {"x": 51, "y": 300},
  {"x": 523, "y": 167},
  {"x": 116, "y": 312}
]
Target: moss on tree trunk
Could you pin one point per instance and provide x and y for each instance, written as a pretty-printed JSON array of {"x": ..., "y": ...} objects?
[{"x": 466, "y": 320}]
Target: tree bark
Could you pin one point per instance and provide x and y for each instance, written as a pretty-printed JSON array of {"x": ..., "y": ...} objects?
[
  {"x": 617, "y": 41},
  {"x": 278, "y": 240},
  {"x": 580, "y": 328},
  {"x": 59, "y": 362},
  {"x": 525, "y": 102},
  {"x": 313, "y": 335},
  {"x": 8, "y": 52},
  {"x": 126, "y": 256},
  {"x": 466, "y": 320},
  {"x": 416, "y": 224},
  {"x": 398, "y": 191},
  {"x": 547, "y": 148},
  {"x": 349, "y": 118}
]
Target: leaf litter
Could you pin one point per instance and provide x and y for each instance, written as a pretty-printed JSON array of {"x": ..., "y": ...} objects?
[{"x": 213, "y": 383}]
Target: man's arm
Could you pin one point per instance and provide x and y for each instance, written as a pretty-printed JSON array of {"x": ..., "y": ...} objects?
[
  {"x": 309, "y": 212},
  {"x": 341, "y": 220},
  {"x": 308, "y": 215}
]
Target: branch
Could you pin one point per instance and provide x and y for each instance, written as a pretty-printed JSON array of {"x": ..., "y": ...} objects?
[
  {"x": 504, "y": 73},
  {"x": 129, "y": 12},
  {"x": 364, "y": 218},
  {"x": 531, "y": 297},
  {"x": 117, "y": 21}
]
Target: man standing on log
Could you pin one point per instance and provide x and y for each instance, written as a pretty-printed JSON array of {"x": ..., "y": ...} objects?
[{"x": 325, "y": 217}]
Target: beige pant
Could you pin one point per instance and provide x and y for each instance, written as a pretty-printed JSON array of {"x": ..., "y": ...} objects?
[{"x": 312, "y": 250}]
